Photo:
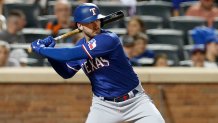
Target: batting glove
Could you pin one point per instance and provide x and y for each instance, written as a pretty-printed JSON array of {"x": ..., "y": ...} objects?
[
  {"x": 48, "y": 42},
  {"x": 36, "y": 45}
]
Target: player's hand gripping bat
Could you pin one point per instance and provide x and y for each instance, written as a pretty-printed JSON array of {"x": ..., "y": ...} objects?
[{"x": 109, "y": 18}]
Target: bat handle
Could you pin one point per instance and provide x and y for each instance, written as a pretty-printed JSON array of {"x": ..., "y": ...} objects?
[
  {"x": 58, "y": 38},
  {"x": 29, "y": 50},
  {"x": 67, "y": 34}
]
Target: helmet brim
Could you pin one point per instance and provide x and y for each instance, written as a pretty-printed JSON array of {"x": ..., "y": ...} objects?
[{"x": 92, "y": 19}]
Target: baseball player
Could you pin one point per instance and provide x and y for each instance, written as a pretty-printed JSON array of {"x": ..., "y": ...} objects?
[{"x": 117, "y": 93}]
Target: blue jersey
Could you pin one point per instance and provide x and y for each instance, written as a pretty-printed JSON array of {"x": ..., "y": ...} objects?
[{"x": 106, "y": 65}]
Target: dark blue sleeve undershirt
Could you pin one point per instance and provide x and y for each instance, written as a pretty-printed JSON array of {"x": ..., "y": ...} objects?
[
  {"x": 64, "y": 54},
  {"x": 62, "y": 69}
]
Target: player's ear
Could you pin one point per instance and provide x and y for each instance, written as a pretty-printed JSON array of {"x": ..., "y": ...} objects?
[{"x": 80, "y": 27}]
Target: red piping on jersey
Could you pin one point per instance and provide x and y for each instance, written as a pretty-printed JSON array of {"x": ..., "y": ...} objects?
[{"x": 84, "y": 48}]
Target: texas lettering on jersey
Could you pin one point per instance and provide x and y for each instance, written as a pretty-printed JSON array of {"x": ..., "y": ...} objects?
[{"x": 94, "y": 64}]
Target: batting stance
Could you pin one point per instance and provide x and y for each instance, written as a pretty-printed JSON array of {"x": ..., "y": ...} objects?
[{"x": 117, "y": 93}]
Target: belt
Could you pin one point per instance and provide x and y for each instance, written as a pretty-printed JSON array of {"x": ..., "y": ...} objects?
[{"x": 127, "y": 96}]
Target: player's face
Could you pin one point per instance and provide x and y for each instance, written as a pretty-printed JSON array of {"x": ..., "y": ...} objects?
[{"x": 91, "y": 29}]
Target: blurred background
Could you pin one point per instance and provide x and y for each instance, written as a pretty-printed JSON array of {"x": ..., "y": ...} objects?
[{"x": 174, "y": 35}]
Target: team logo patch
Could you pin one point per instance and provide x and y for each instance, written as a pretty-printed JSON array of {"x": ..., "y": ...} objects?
[{"x": 92, "y": 44}]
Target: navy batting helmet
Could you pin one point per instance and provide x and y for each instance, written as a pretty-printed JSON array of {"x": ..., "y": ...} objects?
[{"x": 86, "y": 13}]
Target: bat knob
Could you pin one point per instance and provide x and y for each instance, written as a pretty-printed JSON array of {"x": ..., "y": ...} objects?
[{"x": 29, "y": 50}]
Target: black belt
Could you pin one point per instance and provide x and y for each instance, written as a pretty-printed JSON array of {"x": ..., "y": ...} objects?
[{"x": 122, "y": 98}]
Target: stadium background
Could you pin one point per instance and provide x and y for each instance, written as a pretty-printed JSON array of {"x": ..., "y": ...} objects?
[{"x": 36, "y": 94}]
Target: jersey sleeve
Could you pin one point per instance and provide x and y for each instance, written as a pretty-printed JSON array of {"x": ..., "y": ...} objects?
[
  {"x": 65, "y": 69},
  {"x": 100, "y": 45},
  {"x": 73, "y": 65}
]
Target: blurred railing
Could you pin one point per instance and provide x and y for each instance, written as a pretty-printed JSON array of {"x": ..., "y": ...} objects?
[{"x": 146, "y": 75}]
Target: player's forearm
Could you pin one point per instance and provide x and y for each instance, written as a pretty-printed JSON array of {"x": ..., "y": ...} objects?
[
  {"x": 64, "y": 54},
  {"x": 62, "y": 69}
]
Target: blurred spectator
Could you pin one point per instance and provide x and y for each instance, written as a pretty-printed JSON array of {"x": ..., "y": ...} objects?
[
  {"x": 207, "y": 36},
  {"x": 140, "y": 47},
  {"x": 198, "y": 58},
  {"x": 85, "y": 1},
  {"x": 205, "y": 9},
  {"x": 2, "y": 18},
  {"x": 135, "y": 26},
  {"x": 15, "y": 23},
  {"x": 128, "y": 46},
  {"x": 42, "y": 3},
  {"x": 2, "y": 23},
  {"x": 64, "y": 20},
  {"x": 19, "y": 1},
  {"x": 4, "y": 55},
  {"x": 212, "y": 51},
  {"x": 1, "y": 6},
  {"x": 176, "y": 6},
  {"x": 142, "y": 56},
  {"x": 202, "y": 34},
  {"x": 131, "y": 4},
  {"x": 160, "y": 60},
  {"x": 142, "y": 0},
  {"x": 22, "y": 20},
  {"x": 21, "y": 56}
]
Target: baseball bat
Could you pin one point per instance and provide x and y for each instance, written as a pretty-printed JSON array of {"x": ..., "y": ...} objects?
[{"x": 108, "y": 19}]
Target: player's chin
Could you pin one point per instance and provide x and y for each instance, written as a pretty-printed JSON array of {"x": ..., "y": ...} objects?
[{"x": 96, "y": 32}]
